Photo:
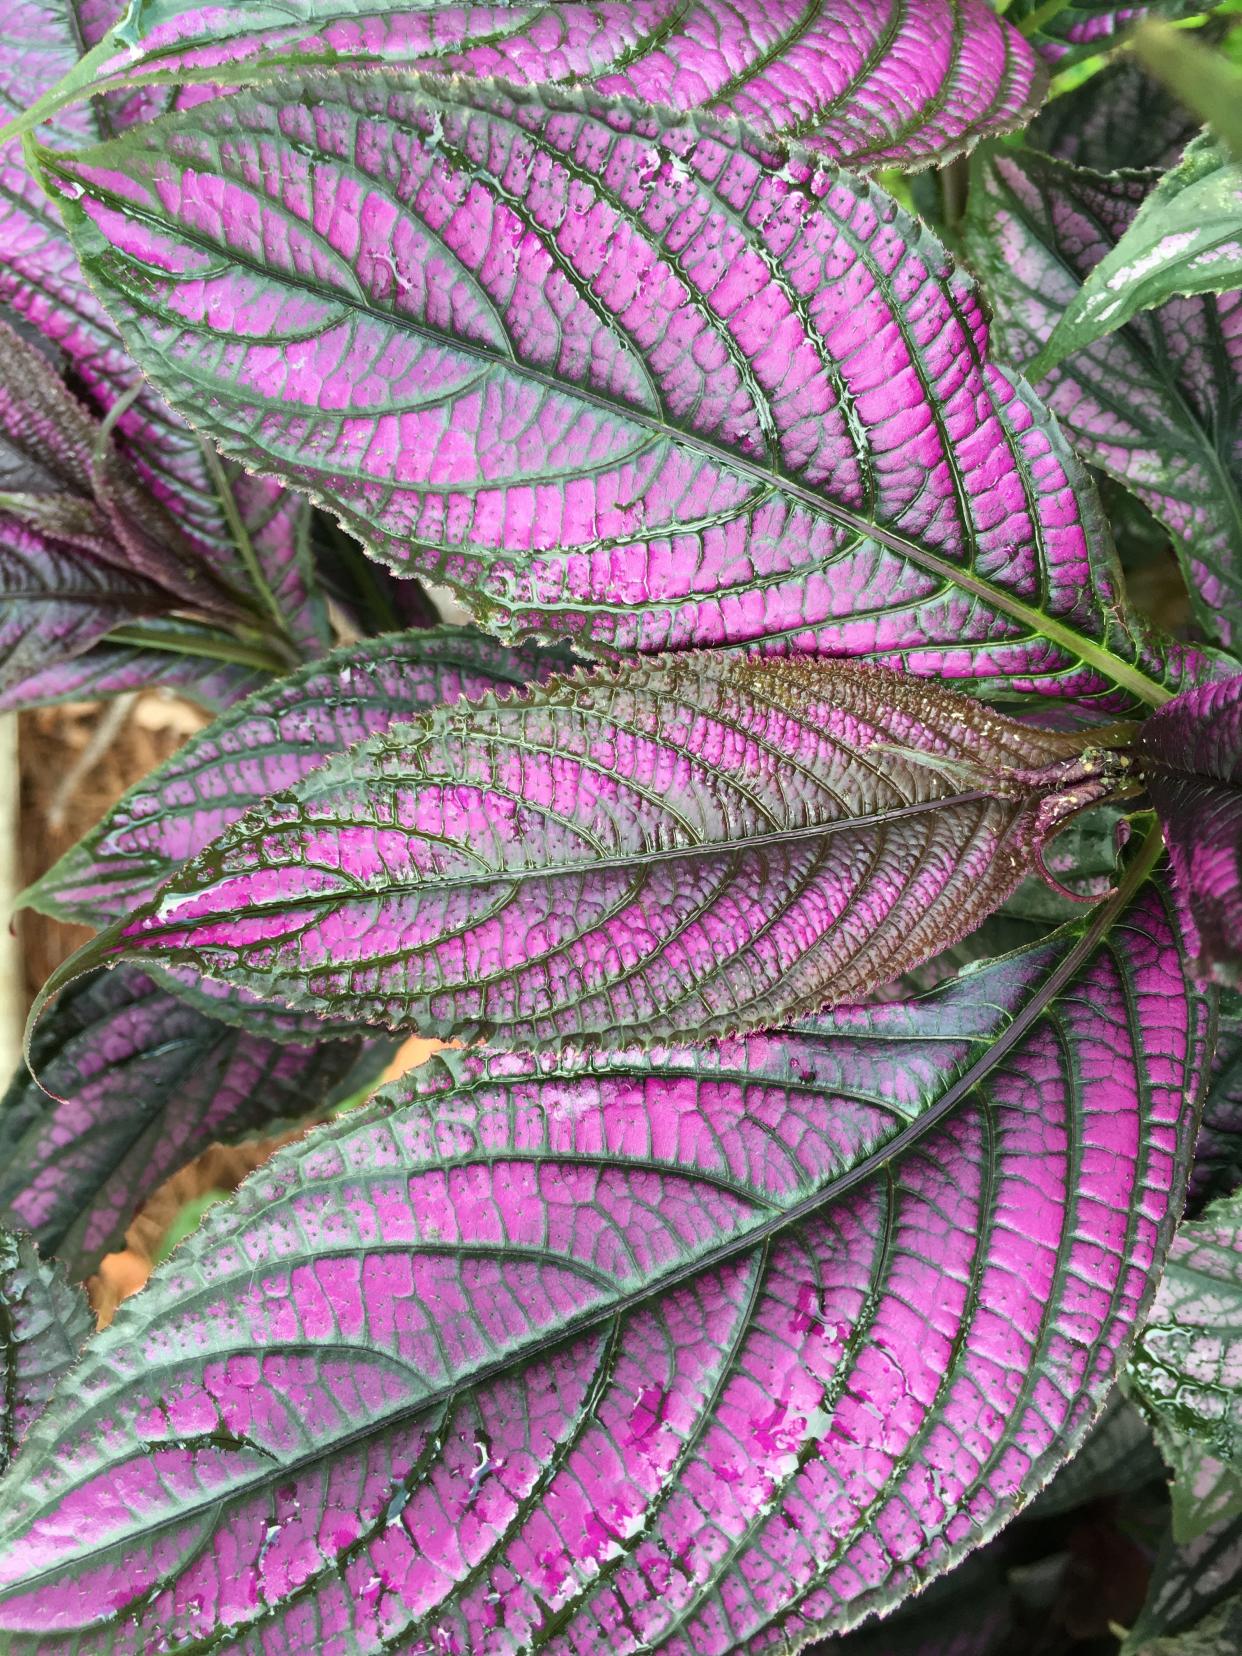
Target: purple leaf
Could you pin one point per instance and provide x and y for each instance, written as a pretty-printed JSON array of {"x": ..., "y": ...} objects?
[
  {"x": 1191, "y": 757},
  {"x": 1118, "y": 118},
  {"x": 872, "y": 82},
  {"x": 262, "y": 746},
  {"x": 710, "y": 1350},
  {"x": 44, "y": 1322},
  {"x": 55, "y": 604},
  {"x": 142, "y": 1084},
  {"x": 1085, "y": 27},
  {"x": 1154, "y": 403},
  {"x": 1187, "y": 1359},
  {"x": 634, "y": 387},
  {"x": 110, "y": 669},
  {"x": 63, "y": 478},
  {"x": 41, "y": 280},
  {"x": 692, "y": 846}
]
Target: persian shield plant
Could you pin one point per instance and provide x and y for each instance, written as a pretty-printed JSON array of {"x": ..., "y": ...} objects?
[{"x": 824, "y": 876}]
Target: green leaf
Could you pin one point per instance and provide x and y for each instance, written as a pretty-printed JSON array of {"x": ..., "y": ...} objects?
[
  {"x": 1187, "y": 1363},
  {"x": 44, "y": 1321},
  {"x": 1186, "y": 238}
]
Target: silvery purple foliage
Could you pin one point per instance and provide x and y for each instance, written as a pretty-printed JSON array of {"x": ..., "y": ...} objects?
[{"x": 835, "y": 965}]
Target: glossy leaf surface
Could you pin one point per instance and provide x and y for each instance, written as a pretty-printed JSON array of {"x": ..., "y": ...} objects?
[
  {"x": 44, "y": 1322},
  {"x": 1186, "y": 238},
  {"x": 874, "y": 82},
  {"x": 625, "y": 384},
  {"x": 1154, "y": 403},
  {"x": 634, "y": 1353},
  {"x": 1191, "y": 757},
  {"x": 142, "y": 1085},
  {"x": 695, "y": 846},
  {"x": 1187, "y": 1364},
  {"x": 261, "y": 747}
]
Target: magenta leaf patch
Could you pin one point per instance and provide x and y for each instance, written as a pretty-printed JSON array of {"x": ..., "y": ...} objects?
[
  {"x": 633, "y": 1353},
  {"x": 1153, "y": 403},
  {"x": 1191, "y": 757},
  {"x": 691, "y": 845},
  {"x": 44, "y": 1322},
  {"x": 263, "y": 746},
  {"x": 873, "y": 82},
  {"x": 41, "y": 280},
  {"x": 111, "y": 669},
  {"x": 635, "y": 385},
  {"x": 132, "y": 1085}
]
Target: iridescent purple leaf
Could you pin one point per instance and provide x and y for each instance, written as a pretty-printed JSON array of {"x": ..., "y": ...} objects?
[
  {"x": 44, "y": 1322},
  {"x": 261, "y": 747},
  {"x": 873, "y": 82},
  {"x": 628, "y": 384},
  {"x": 692, "y": 846},
  {"x": 1118, "y": 118},
  {"x": 710, "y": 1350},
  {"x": 1083, "y": 27},
  {"x": 1155, "y": 403},
  {"x": 1187, "y": 1362},
  {"x": 62, "y": 477},
  {"x": 1191, "y": 757},
  {"x": 142, "y": 1084},
  {"x": 111, "y": 669},
  {"x": 54, "y": 604},
  {"x": 41, "y": 280}
]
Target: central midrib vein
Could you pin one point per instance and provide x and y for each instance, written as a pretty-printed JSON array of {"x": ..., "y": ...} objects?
[
  {"x": 1035, "y": 621},
  {"x": 724, "y": 1252}
]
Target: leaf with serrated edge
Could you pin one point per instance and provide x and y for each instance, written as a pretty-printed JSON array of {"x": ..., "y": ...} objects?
[
  {"x": 874, "y": 82},
  {"x": 1153, "y": 403},
  {"x": 693, "y": 846},
  {"x": 624, "y": 382},
  {"x": 140, "y": 1084},
  {"x": 1190, "y": 756},
  {"x": 265, "y": 745},
  {"x": 44, "y": 1322},
  {"x": 634, "y": 1353}
]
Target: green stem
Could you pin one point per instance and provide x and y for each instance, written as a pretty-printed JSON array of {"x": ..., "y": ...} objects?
[
  {"x": 74, "y": 87},
  {"x": 1035, "y": 21},
  {"x": 245, "y": 545},
  {"x": 212, "y": 646}
]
